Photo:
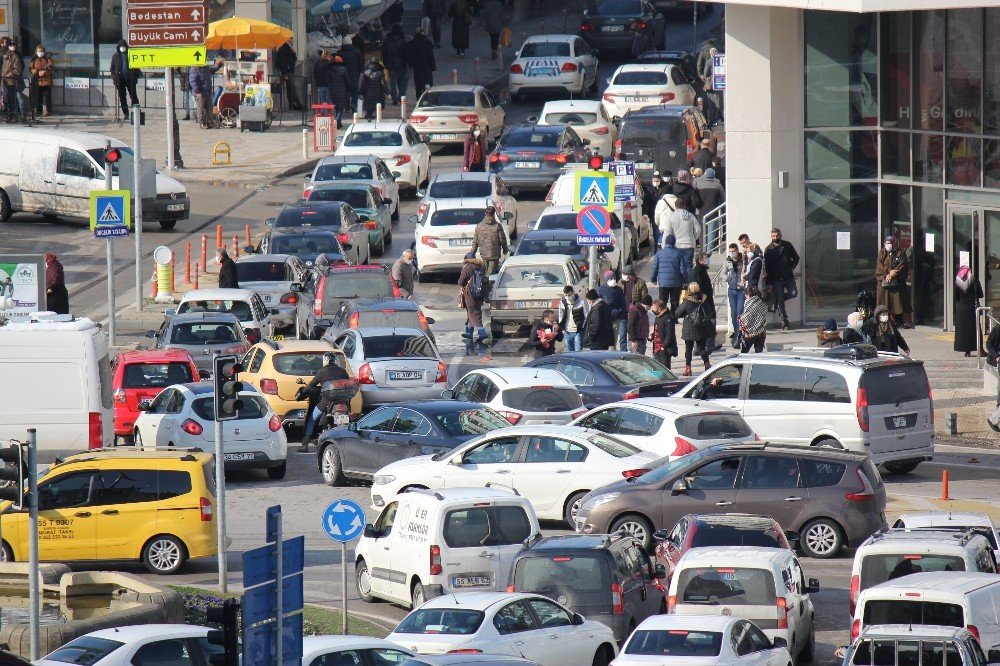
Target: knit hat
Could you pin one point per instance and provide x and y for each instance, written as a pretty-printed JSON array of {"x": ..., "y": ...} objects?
[
  {"x": 591, "y": 295},
  {"x": 609, "y": 275},
  {"x": 830, "y": 324},
  {"x": 670, "y": 240},
  {"x": 709, "y": 173}
]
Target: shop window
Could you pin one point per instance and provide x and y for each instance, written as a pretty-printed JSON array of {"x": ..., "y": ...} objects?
[
  {"x": 840, "y": 155},
  {"x": 964, "y": 82},
  {"x": 928, "y": 70},
  {"x": 841, "y": 54}
]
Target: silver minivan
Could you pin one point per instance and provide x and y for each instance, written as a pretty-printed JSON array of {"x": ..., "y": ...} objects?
[{"x": 850, "y": 397}]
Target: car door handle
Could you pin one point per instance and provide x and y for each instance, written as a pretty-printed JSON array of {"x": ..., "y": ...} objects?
[
  {"x": 552, "y": 637},
  {"x": 110, "y": 512},
  {"x": 563, "y": 471},
  {"x": 793, "y": 499},
  {"x": 518, "y": 642},
  {"x": 487, "y": 554},
  {"x": 376, "y": 439},
  {"x": 724, "y": 503},
  {"x": 82, "y": 514},
  {"x": 503, "y": 471}
]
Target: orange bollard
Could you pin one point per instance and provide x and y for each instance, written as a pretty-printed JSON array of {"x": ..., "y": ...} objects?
[
  {"x": 173, "y": 287},
  {"x": 155, "y": 290},
  {"x": 236, "y": 247},
  {"x": 196, "y": 276},
  {"x": 187, "y": 262},
  {"x": 204, "y": 253},
  {"x": 944, "y": 485},
  {"x": 218, "y": 236},
  {"x": 249, "y": 239}
]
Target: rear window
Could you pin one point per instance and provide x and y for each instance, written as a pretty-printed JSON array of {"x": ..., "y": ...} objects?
[
  {"x": 545, "y": 49},
  {"x": 528, "y": 139},
  {"x": 343, "y": 172},
  {"x": 543, "y": 398},
  {"x": 390, "y": 346},
  {"x": 675, "y": 643},
  {"x": 389, "y": 319},
  {"x": 84, "y": 650},
  {"x": 471, "y": 422},
  {"x": 904, "y": 611},
  {"x": 447, "y": 98},
  {"x": 340, "y": 286},
  {"x": 636, "y": 370},
  {"x": 613, "y": 7},
  {"x": 205, "y": 333},
  {"x": 731, "y": 535},
  {"x": 456, "y": 216},
  {"x": 572, "y": 118},
  {"x": 887, "y": 652},
  {"x": 155, "y": 375},
  {"x": 547, "y": 246},
  {"x": 585, "y": 578},
  {"x": 613, "y": 447},
  {"x": 489, "y": 525},
  {"x": 713, "y": 426},
  {"x": 521, "y": 277},
  {"x": 441, "y": 621},
  {"x": 254, "y": 407},
  {"x": 305, "y": 245},
  {"x": 820, "y": 473},
  {"x": 641, "y": 79},
  {"x": 877, "y": 569},
  {"x": 567, "y": 221},
  {"x": 239, "y": 309},
  {"x": 650, "y": 132},
  {"x": 261, "y": 271},
  {"x": 905, "y": 382},
  {"x": 356, "y": 198},
  {"x": 456, "y": 189},
  {"x": 374, "y": 139},
  {"x": 328, "y": 216},
  {"x": 729, "y": 586},
  {"x": 297, "y": 363}
]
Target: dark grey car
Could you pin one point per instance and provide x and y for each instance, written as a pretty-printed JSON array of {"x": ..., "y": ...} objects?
[{"x": 204, "y": 335}]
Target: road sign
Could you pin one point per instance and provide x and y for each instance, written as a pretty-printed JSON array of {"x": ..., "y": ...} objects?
[
  {"x": 593, "y": 220},
  {"x": 624, "y": 172},
  {"x": 593, "y": 188},
  {"x": 166, "y": 56},
  {"x": 166, "y": 24},
  {"x": 180, "y": 36},
  {"x": 344, "y": 520},
  {"x": 109, "y": 213},
  {"x": 258, "y": 642},
  {"x": 191, "y": 13},
  {"x": 621, "y": 168},
  {"x": 719, "y": 71}
]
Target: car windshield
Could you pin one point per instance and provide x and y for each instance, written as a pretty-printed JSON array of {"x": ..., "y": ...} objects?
[
  {"x": 713, "y": 425},
  {"x": 547, "y": 246},
  {"x": 573, "y": 118},
  {"x": 653, "y": 131},
  {"x": 619, "y": 7},
  {"x": 305, "y": 245},
  {"x": 527, "y": 138},
  {"x": 524, "y": 277},
  {"x": 345, "y": 171},
  {"x": 613, "y": 447},
  {"x": 456, "y": 189},
  {"x": 636, "y": 370},
  {"x": 543, "y": 50},
  {"x": 675, "y": 643},
  {"x": 327, "y": 216},
  {"x": 254, "y": 407},
  {"x": 876, "y": 569},
  {"x": 640, "y": 79},
  {"x": 261, "y": 271},
  {"x": 471, "y": 421},
  {"x": 85, "y": 650},
  {"x": 732, "y": 586},
  {"x": 155, "y": 375},
  {"x": 441, "y": 621},
  {"x": 205, "y": 333},
  {"x": 343, "y": 285},
  {"x": 543, "y": 398},
  {"x": 714, "y": 534},
  {"x": 462, "y": 98},
  {"x": 392, "y": 346},
  {"x": 664, "y": 468},
  {"x": 456, "y": 217},
  {"x": 373, "y": 139},
  {"x": 239, "y": 309},
  {"x": 355, "y": 197},
  {"x": 567, "y": 221},
  {"x": 301, "y": 364}
]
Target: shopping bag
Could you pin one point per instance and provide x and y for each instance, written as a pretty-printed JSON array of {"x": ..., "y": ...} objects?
[
  {"x": 994, "y": 420},
  {"x": 505, "y": 38}
]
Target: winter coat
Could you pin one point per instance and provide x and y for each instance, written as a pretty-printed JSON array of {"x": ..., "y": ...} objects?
[
  {"x": 422, "y": 58},
  {"x": 467, "y": 150},
  {"x": 200, "y": 79},
  {"x": 493, "y": 16},
  {"x": 353, "y": 60},
  {"x": 372, "y": 86},
  {"x": 753, "y": 320},
  {"x": 340, "y": 87},
  {"x": 734, "y": 270},
  {"x": 615, "y": 298},
  {"x": 394, "y": 50},
  {"x": 284, "y": 59},
  {"x": 568, "y": 309},
  {"x": 469, "y": 266},
  {"x": 637, "y": 326},
  {"x": 780, "y": 260},
  {"x": 691, "y": 330},
  {"x": 461, "y": 20},
  {"x": 545, "y": 348},
  {"x": 489, "y": 239},
  {"x": 321, "y": 73},
  {"x": 965, "y": 316},
  {"x": 885, "y": 336},
  {"x": 752, "y": 269},
  {"x": 598, "y": 329},
  {"x": 651, "y": 197},
  {"x": 667, "y": 270},
  {"x": 635, "y": 290},
  {"x": 711, "y": 192},
  {"x": 227, "y": 274},
  {"x": 685, "y": 228},
  {"x": 896, "y": 300},
  {"x": 663, "y": 209},
  {"x": 690, "y": 195},
  {"x": 664, "y": 333},
  {"x": 13, "y": 67},
  {"x": 700, "y": 275},
  {"x": 120, "y": 72},
  {"x": 402, "y": 273},
  {"x": 42, "y": 68},
  {"x": 702, "y": 159}
]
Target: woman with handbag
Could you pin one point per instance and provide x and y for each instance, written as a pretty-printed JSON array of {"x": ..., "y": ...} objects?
[
  {"x": 892, "y": 267},
  {"x": 699, "y": 327}
]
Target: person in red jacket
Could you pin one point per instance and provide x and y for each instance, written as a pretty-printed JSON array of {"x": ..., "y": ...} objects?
[{"x": 474, "y": 155}]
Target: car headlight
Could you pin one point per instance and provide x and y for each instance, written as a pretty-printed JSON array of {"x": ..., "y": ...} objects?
[
  {"x": 595, "y": 501},
  {"x": 382, "y": 479}
]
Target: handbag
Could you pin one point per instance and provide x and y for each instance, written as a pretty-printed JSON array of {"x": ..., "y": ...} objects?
[{"x": 889, "y": 285}]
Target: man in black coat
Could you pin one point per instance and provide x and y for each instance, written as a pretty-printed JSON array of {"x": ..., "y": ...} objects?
[
  {"x": 394, "y": 50},
  {"x": 227, "y": 270},
  {"x": 285, "y": 59},
  {"x": 318, "y": 405},
  {"x": 652, "y": 193},
  {"x": 354, "y": 60},
  {"x": 780, "y": 260},
  {"x": 704, "y": 158},
  {"x": 598, "y": 329},
  {"x": 124, "y": 78},
  {"x": 421, "y": 56}
]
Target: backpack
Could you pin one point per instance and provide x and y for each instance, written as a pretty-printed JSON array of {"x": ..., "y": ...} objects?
[{"x": 477, "y": 285}]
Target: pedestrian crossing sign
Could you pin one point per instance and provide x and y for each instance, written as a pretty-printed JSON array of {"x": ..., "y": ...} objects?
[
  {"x": 594, "y": 188},
  {"x": 109, "y": 213}
]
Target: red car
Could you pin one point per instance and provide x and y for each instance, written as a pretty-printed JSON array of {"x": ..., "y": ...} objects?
[{"x": 141, "y": 375}]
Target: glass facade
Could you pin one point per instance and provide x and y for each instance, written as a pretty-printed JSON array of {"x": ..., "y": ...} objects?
[{"x": 918, "y": 127}]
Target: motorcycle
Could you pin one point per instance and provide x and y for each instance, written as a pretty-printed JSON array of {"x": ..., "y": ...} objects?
[{"x": 337, "y": 393}]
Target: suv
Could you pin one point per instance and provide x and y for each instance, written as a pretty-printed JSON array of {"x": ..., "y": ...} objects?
[
  {"x": 121, "y": 504},
  {"x": 831, "y": 498},
  {"x": 606, "y": 577},
  {"x": 328, "y": 289},
  {"x": 660, "y": 138},
  {"x": 895, "y": 553},
  {"x": 851, "y": 397}
]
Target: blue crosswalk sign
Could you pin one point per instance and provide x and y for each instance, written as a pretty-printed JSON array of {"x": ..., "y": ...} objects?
[
  {"x": 109, "y": 213},
  {"x": 593, "y": 188},
  {"x": 344, "y": 520}
]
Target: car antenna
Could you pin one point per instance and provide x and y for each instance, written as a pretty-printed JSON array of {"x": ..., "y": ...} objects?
[{"x": 455, "y": 597}]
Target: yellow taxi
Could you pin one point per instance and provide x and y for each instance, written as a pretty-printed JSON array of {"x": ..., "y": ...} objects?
[
  {"x": 279, "y": 368},
  {"x": 117, "y": 504}
]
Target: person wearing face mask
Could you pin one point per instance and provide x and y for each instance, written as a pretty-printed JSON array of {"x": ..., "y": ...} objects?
[
  {"x": 638, "y": 324},
  {"x": 854, "y": 333},
  {"x": 227, "y": 270},
  {"x": 124, "y": 78},
  {"x": 489, "y": 240},
  {"x": 737, "y": 297},
  {"x": 663, "y": 334},
  {"x": 892, "y": 267},
  {"x": 753, "y": 265},
  {"x": 41, "y": 68},
  {"x": 882, "y": 333},
  {"x": 614, "y": 296},
  {"x": 402, "y": 273},
  {"x": 635, "y": 287},
  {"x": 474, "y": 152},
  {"x": 652, "y": 193},
  {"x": 12, "y": 71},
  {"x": 545, "y": 333}
]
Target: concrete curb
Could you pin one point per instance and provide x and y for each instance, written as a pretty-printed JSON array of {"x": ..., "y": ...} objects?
[{"x": 901, "y": 503}]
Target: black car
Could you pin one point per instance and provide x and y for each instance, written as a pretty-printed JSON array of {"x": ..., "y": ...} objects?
[
  {"x": 530, "y": 157},
  {"x": 610, "y": 376},
  {"x": 682, "y": 60},
  {"x": 401, "y": 430},
  {"x": 562, "y": 241},
  {"x": 663, "y": 137},
  {"x": 613, "y": 24}
]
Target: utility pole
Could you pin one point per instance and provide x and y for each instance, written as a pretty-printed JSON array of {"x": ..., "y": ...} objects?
[
  {"x": 34, "y": 591},
  {"x": 137, "y": 206},
  {"x": 108, "y": 185}
]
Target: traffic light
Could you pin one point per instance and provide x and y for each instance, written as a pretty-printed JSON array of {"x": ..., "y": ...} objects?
[
  {"x": 227, "y": 387},
  {"x": 15, "y": 473},
  {"x": 229, "y": 636},
  {"x": 596, "y": 162},
  {"x": 112, "y": 155}
]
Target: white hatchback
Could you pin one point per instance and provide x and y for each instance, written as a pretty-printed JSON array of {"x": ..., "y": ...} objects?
[
  {"x": 587, "y": 116},
  {"x": 396, "y": 142},
  {"x": 138, "y": 644},
  {"x": 635, "y": 86},
  {"x": 524, "y": 396},
  {"x": 473, "y": 185},
  {"x": 443, "y": 233}
]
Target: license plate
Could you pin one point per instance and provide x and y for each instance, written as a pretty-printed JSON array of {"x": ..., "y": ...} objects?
[
  {"x": 533, "y": 304},
  {"x": 341, "y": 419},
  {"x": 527, "y": 165},
  {"x": 613, "y": 28},
  {"x": 900, "y": 422},
  {"x": 643, "y": 165},
  {"x": 238, "y": 456},
  {"x": 636, "y": 98},
  {"x": 542, "y": 71},
  {"x": 406, "y": 374},
  {"x": 443, "y": 137},
  {"x": 459, "y": 241},
  {"x": 471, "y": 581},
  {"x": 279, "y": 338},
  {"x": 175, "y": 207}
]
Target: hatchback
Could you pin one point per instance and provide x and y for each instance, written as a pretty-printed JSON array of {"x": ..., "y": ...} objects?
[
  {"x": 138, "y": 644},
  {"x": 140, "y": 375},
  {"x": 529, "y": 157},
  {"x": 353, "y": 230},
  {"x": 203, "y": 335},
  {"x": 609, "y": 376},
  {"x": 636, "y": 86},
  {"x": 271, "y": 277},
  {"x": 522, "y": 396}
]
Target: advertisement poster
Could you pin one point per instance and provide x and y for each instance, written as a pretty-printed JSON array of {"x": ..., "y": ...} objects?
[{"x": 22, "y": 286}]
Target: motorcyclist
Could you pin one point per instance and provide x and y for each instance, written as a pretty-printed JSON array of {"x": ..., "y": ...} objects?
[{"x": 313, "y": 391}]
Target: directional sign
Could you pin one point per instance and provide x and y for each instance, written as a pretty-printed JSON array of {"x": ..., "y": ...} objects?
[
  {"x": 166, "y": 23},
  {"x": 344, "y": 520},
  {"x": 109, "y": 213},
  {"x": 166, "y": 56},
  {"x": 593, "y": 188},
  {"x": 192, "y": 14},
  {"x": 181, "y": 36}
]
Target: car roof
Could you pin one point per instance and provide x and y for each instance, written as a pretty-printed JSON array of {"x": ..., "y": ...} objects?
[
  {"x": 693, "y": 622},
  {"x": 218, "y": 295},
  {"x": 449, "y": 176},
  {"x": 283, "y": 346},
  {"x": 747, "y": 521},
  {"x": 132, "y": 453},
  {"x": 433, "y": 407},
  {"x": 549, "y": 38},
  {"x": 550, "y": 234},
  {"x": 131, "y": 633},
  {"x": 461, "y": 87},
  {"x": 524, "y": 376},
  {"x": 945, "y": 518},
  {"x": 816, "y": 355},
  {"x": 348, "y": 159},
  {"x": 154, "y": 356},
  {"x": 376, "y": 304},
  {"x": 575, "y": 542},
  {"x": 377, "y": 125},
  {"x": 538, "y": 129},
  {"x": 913, "y": 631},
  {"x": 361, "y": 268},
  {"x": 312, "y": 644},
  {"x": 463, "y": 659},
  {"x": 532, "y": 259},
  {"x": 712, "y": 556},
  {"x": 571, "y": 105},
  {"x": 305, "y": 232},
  {"x": 187, "y": 317},
  {"x": 599, "y": 355},
  {"x": 679, "y": 406},
  {"x": 644, "y": 67},
  {"x": 795, "y": 450},
  {"x": 452, "y": 203},
  {"x": 462, "y": 494},
  {"x": 476, "y": 600},
  {"x": 254, "y": 258},
  {"x": 959, "y": 582},
  {"x": 670, "y": 110},
  {"x": 922, "y": 537}
]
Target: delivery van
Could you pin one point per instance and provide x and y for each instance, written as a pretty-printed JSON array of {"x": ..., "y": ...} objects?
[
  {"x": 52, "y": 172},
  {"x": 55, "y": 376}
]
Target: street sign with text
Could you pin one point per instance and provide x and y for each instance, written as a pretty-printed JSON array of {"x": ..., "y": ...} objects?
[
  {"x": 179, "y": 36},
  {"x": 191, "y": 13},
  {"x": 109, "y": 213},
  {"x": 166, "y": 56}
]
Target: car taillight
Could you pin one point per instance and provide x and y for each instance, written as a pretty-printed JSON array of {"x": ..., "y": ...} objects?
[
  {"x": 429, "y": 241},
  {"x": 631, "y": 395},
  {"x": 269, "y": 386},
  {"x": 306, "y": 192},
  {"x": 617, "y": 606},
  {"x": 192, "y": 427},
  {"x": 666, "y": 97},
  {"x": 344, "y": 238},
  {"x": 465, "y": 651},
  {"x": 494, "y": 159},
  {"x": 353, "y": 320},
  {"x": 436, "y": 561},
  {"x": 238, "y": 350},
  {"x": 671, "y": 603},
  {"x": 855, "y": 588},
  {"x": 682, "y": 447},
  {"x": 635, "y": 473},
  {"x": 863, "y": 409},
  {"x": 371, "y": 225},
  {"x": 618, "y": 148},
  {"x": 638, "y": 25},
  {"x": 865, "y": 493},
  {"x": 318, "y": 303},
  {"x": 469, "y": 118},
  {"x": 442, "y": 375},
  {"x": 568, "y": 67},
  {"x": 512, "y": 417},
  {"x": 289, "y": 299},
  {"x": 422, "y": 318},
  {"x": 930, "y": 397},
  {"x": 421, "y": 209},
  {"x": 274, "y": 425},
  {"x": 205, "y": 505},
  {"x": 119, "y": 395},
  {"x": 365, "y": 374},
  {"x": 402, "y": 159},
  {"x": 516, "y": 69},
  {"x": 974, "y": 630},
  {"x": 558, "y": 158},
  {"x": 416, "y": 120},
  {"x": 608, "y": 97},
  {"x": 855, "y": 629},
  {"x": 95, "y": 431},
  {"x": 782, "y": 606},
  {"x": 587, "y": 27},
  {"x": 578, "y": 413},
  {"x": 600, "y": 130}
]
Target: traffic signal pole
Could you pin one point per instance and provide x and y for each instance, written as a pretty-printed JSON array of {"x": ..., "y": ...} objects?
[
  {"x": 137, "y": 198},
  {"x": 110, "y": 260},
  {"x": 34, "y": 589},
  {"x": 225, "y": 375},
  {"x": 220, "y": 500}
]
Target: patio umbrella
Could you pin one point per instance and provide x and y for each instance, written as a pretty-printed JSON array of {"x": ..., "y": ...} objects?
[{"x": 244, "y": 33}]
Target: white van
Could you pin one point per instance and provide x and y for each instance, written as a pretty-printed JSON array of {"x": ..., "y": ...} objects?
[
  {"x": 52, "y": 172},
  {"x": 952, "y": 521},
  {"x": 763, "y": 585},
  {"x": 946, "y": 599},
  {"x": 895, "y": 553},
  {"x": 426, "y": 543},
  {"x": 55, "y": 376}
]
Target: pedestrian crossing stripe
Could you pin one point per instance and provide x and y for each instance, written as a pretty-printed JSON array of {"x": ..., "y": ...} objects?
[
  {"x": 594, "y": 195},
  {"x": 110, "y": 215}
]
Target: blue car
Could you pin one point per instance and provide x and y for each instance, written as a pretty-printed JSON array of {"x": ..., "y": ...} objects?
[{"x": 373, "y": 210}]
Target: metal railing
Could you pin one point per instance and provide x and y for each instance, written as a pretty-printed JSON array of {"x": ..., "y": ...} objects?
[
  {"x": 985, "y": 321},
  {"x": 715, "y": 229}
]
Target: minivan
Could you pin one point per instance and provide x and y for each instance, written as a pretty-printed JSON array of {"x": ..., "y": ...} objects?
[
  {"x": 850, "y": 396},
  {"x": 73, "y": 163},
  {"x": 663, "y": 138},
  {"x": 57, "y": 379},
  {"x": 426, "y": 543}
]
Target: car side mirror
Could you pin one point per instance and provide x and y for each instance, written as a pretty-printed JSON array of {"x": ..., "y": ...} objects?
[
  {"x": 295, "y": 287},
  {"x": 577, "y": 619},
  {"x": 269, "y": 222},
  {"x": 532, "y": 224},
  {"x": 455, "y": 460},
  {"x": 586, "y": 142},
  {"x": 448, "y": 395},
  {"x": 660, "y": 535},
  {"x": 386, "y": 201},
  {"x": 370, "y": 532},
  {"x": 339, "y": 139},
  {"x": 532, "y": 119},
  {"x": 429, "y": 320},
  {"x": 396, "y": 174},
  {"x": 347, "y": 247},
  {"x": 616, "y": 119},
  {"x": 248, "y": 249},
  {"x": 144, "y": 405},
  {"x": 425, "y": 139},
  {"x": 813, "y": 586},
  {"x": 150, "y": 334},
  {"x": 660, "y": 572},
  {"x": 204, "y": 374},
  {"x": 680, "y": 487},
  {"x": 779, "y": 642},
  {"x": 793, "y": 537}
]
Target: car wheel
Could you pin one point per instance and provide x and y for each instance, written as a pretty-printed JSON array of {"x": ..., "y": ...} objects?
[
  {"x": 902, "y": 466},
  {"x": 395, "y": 213},
  {"x": 380, "y": 248},
  {"x": 330, "y": 467},
  {"x": 5, "y": 208},
  {"x": 167, "y": 225},
  {"x": 276, "y": 473},
  {"x": 806, "y": 656},
  {"x": 572, "y": 506},
  {"x": 601, "y": 657},
  {"x": 363, "y": 581},
  {"x": 163, "y": 554},
  {"x": 6, "y": 554},
  {"x": 637, "y": 526},
  {"x": 821, "y": 538},
  {"x": 417, "y": 595},
  {"x": 828, "y": 443}
]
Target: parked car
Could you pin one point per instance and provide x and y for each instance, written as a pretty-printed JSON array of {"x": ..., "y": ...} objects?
[
  {"x": 244, "y": 304},
  {"x": 337, "y": 216},
  {"x": 547, "y": 632},
  {"x": 374, "y": 212},
  {"x": 523, "y": 397},
  {"x": 661, "y": 137},
  {"x": 326, "y": 291},
  {"x": 635, "y": 86},
  {"x": 564, "y": 64},
  {"x": 442, "y": 234},
  {"x": 528, "y": 157},
  {"x": 402, "y": 430},
  {"x": 832, "y": 498},
  {"x": 396, "y": 142},
  {"x": 444, "y": 113},
  {"x": 609, "y": 376},
  {"x": 586, "y": 116},
  {"x": 138, "y": 644},
  {"x": 563, "y": 241},
  {"x": 552, "y": 466},
  {"x": 950, "y": 521},
  {"x": 377, "y": 313},
  {"x": 184, "y": 416},
  {"x": 897, "y": 643},
  {"x": 203, "y": 335},
  {"x": 527, "y": 285},
  {"x": 616, "y": 24},
  {"x": 355, "y": 650},
  {"x": 605, "y": 577},
  {"x": 367, "y": 169},
  {"x": 475, "y": 185},
  {"x": 271, "y": 277},
  {"x": 141, "y": 375}
]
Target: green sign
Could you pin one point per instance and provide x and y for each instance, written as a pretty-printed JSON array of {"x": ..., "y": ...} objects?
[
  {"x": 109, "y": 213},
  {"x": 166, "y": 56}
]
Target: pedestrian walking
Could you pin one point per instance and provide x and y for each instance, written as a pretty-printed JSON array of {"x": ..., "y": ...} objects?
[
  {"x": 474, "y": 150},
  {"x": 612, "y": 294},
  {"x": 545, "y": 333},
  {"x": 227, "y": 270},
  {"x": 353, "y": 62},
  {"x": 635, "y": 287},
  {"x": 892, "y": 267},
  {"x": 733, "y": 272},
  {"x": 285, "y": 59},
  {"x": 394, "y": 57},
  {"x": 753, "y": 265},
  {"x": 668, "y": 274},
  {"x": 370, "y": 39},
  {"x": 56, "y": 294},
  {"x": 41, "y": 68},
  {"x": 200, "y": 80},
  {"x": 711, "y": 192},
  {"x": 698, "y": 329},
  {"x": 652, "y": 192},
  {"x": 684, "y": 189},
  {"x": 686, "y": 230},
  {"x": 780, "y": 260},
  {"x": 341, "y": 89},
  {"x": 473, "y": 285},
  {"x": 490, "y": 241},
  {"x": 666, "y": 205},
  {"x": 435, "y": 10},
  {"x": 422, "y": 61},
  {"x": 461, "y": 20},
  {"x": 882, "y": 332},
  {"x": 571, "y": 319},
  {"x": 322, "y": 70},
  {"x": 598, "y": 330},
  {"x": 403, "y": 273},
  {"x": 493, "y": 21},
  {"x": 372, "y": 86},
  {"x": 968, "y": 291},
  {"x": 664, "y": 334},
  {"x": 124, "y": 79},
  {"x": 704, "y": 157},
  {"x": 638, "y": 324},
  {"x": 753, "y": 322}
]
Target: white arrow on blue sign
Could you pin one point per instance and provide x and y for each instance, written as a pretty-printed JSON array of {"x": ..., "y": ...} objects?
[{"x": 344, "y": 520}]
